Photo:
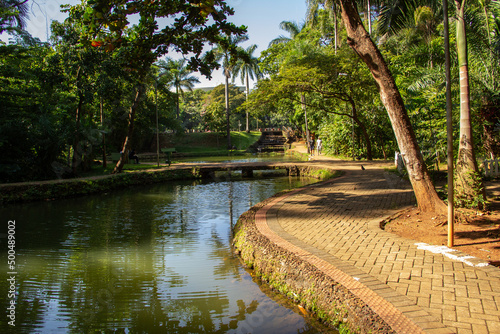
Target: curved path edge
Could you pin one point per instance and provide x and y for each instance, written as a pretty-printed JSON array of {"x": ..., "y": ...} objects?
[
  {"x": 395, "y": 310},
  {"x": 386, "y": 310}
]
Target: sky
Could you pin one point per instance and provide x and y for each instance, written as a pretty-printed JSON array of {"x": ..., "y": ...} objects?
[{"x": 262, "y": 17}]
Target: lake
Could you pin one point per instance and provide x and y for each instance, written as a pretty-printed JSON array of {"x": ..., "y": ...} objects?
[{"x": 148, "y": 259}]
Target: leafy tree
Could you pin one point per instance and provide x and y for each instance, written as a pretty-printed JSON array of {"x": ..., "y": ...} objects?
[
  {"x": 139, "y": 46},
  {"x": 414, "y": 50},
  {"x": 213, "y": 103},
  {"x": 270, "y": 60},
  {"x": 80, "y": 67},
  {"x": 13, "y": 15},
  {"x": 192, "y": 106},
  {"x": 344, "y": 89},
  {"x": 315, "y": 19},
  {"x": 484, "y": 60},
  {"x": 33, "y": 118},
  {"x": 419, "y": 20}
]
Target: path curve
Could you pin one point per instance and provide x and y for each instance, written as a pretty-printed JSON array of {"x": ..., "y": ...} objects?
[{"x": 413, "y": 287}]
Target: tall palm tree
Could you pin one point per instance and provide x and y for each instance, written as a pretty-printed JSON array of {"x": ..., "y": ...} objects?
[
  {"x": 291, "y": 27},
  {"x": 179, "y": 77},
  {"x": 248, "y": 68},
  {"x": 226, "y": 54},
  {"x": 395, "y": 15},
  {"x": 468, "y": 185},
  {"x": 367, "y": 7},
  {"x": 485, "y": 60},
  {"x": 313, "y": 7}
]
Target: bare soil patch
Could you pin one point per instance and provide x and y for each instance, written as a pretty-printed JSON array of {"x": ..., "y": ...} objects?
[{"x": 476, "y": 233}]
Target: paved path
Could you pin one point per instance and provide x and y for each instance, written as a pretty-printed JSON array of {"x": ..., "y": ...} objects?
[{"x": 415, "y": 288}]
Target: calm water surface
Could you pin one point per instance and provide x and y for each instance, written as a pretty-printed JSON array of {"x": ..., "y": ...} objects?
[{"x": 144, "y": 260}]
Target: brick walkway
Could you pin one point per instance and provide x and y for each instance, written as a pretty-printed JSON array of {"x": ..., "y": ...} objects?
[{"x": 415, "y": 288}]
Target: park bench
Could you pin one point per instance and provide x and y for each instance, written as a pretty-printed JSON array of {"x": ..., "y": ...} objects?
[
  {"x": 168, "y": 152},
  {"x": 116, "y": 156}
]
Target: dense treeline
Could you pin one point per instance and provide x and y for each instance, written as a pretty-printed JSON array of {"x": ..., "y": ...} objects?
[
  {"x": 59, "y": 102},
  {"x": 354, "y": 63}
]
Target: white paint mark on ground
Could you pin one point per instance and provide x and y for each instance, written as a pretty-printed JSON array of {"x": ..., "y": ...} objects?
[{"x": 448, "y": 253}]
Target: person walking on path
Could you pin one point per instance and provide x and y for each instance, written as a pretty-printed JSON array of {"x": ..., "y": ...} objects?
[
  {"x": 310, "y": 144},
  {"x": 318, "y": 146}
]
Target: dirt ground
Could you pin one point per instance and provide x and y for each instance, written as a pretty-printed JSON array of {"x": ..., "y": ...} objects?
[{"x": 476, "y": 233}]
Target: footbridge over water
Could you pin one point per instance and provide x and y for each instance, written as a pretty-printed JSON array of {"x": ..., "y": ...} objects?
[
  {"x": 208, "y": 170},
  {"x": 60, "y": 188}
]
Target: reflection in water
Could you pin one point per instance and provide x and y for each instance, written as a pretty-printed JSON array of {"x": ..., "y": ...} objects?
[
  {"x": 240, "y": 158},
  {"x": 143, "y": 260}
]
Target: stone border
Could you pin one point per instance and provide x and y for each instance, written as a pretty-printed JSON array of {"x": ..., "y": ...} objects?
[{"x": 64, "y": 188}]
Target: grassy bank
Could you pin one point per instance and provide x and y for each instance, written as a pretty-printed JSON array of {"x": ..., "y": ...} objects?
[
  {"x": 103, "y": 182},
  {"x": 49, "y": 190}
]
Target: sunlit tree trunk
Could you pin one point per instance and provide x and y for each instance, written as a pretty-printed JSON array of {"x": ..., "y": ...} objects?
[
  {"x": 77, "y": 158},
  {"x": 226, "y": 94},
  {"x": 131, "y": 117},
  {"x": 468, "y": 184},
  {"x": 359, "y": 40},
  {"x": 177, "y": 101},
  {"x": 248, "y": 93},
  {"x": 104, "y": 162},
  {"x": 369, "y": 16}
]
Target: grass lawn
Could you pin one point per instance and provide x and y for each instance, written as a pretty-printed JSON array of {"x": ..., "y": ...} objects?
[
  {"x": 212, "y": 143},
  {"x": 192, "y": 144}
]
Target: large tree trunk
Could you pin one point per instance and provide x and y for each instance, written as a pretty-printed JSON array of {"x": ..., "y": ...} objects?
[
  {"x": 359, "y": 40},
  {"x": 131, "y": 117},
  {"x": 468, "y": 185}
]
